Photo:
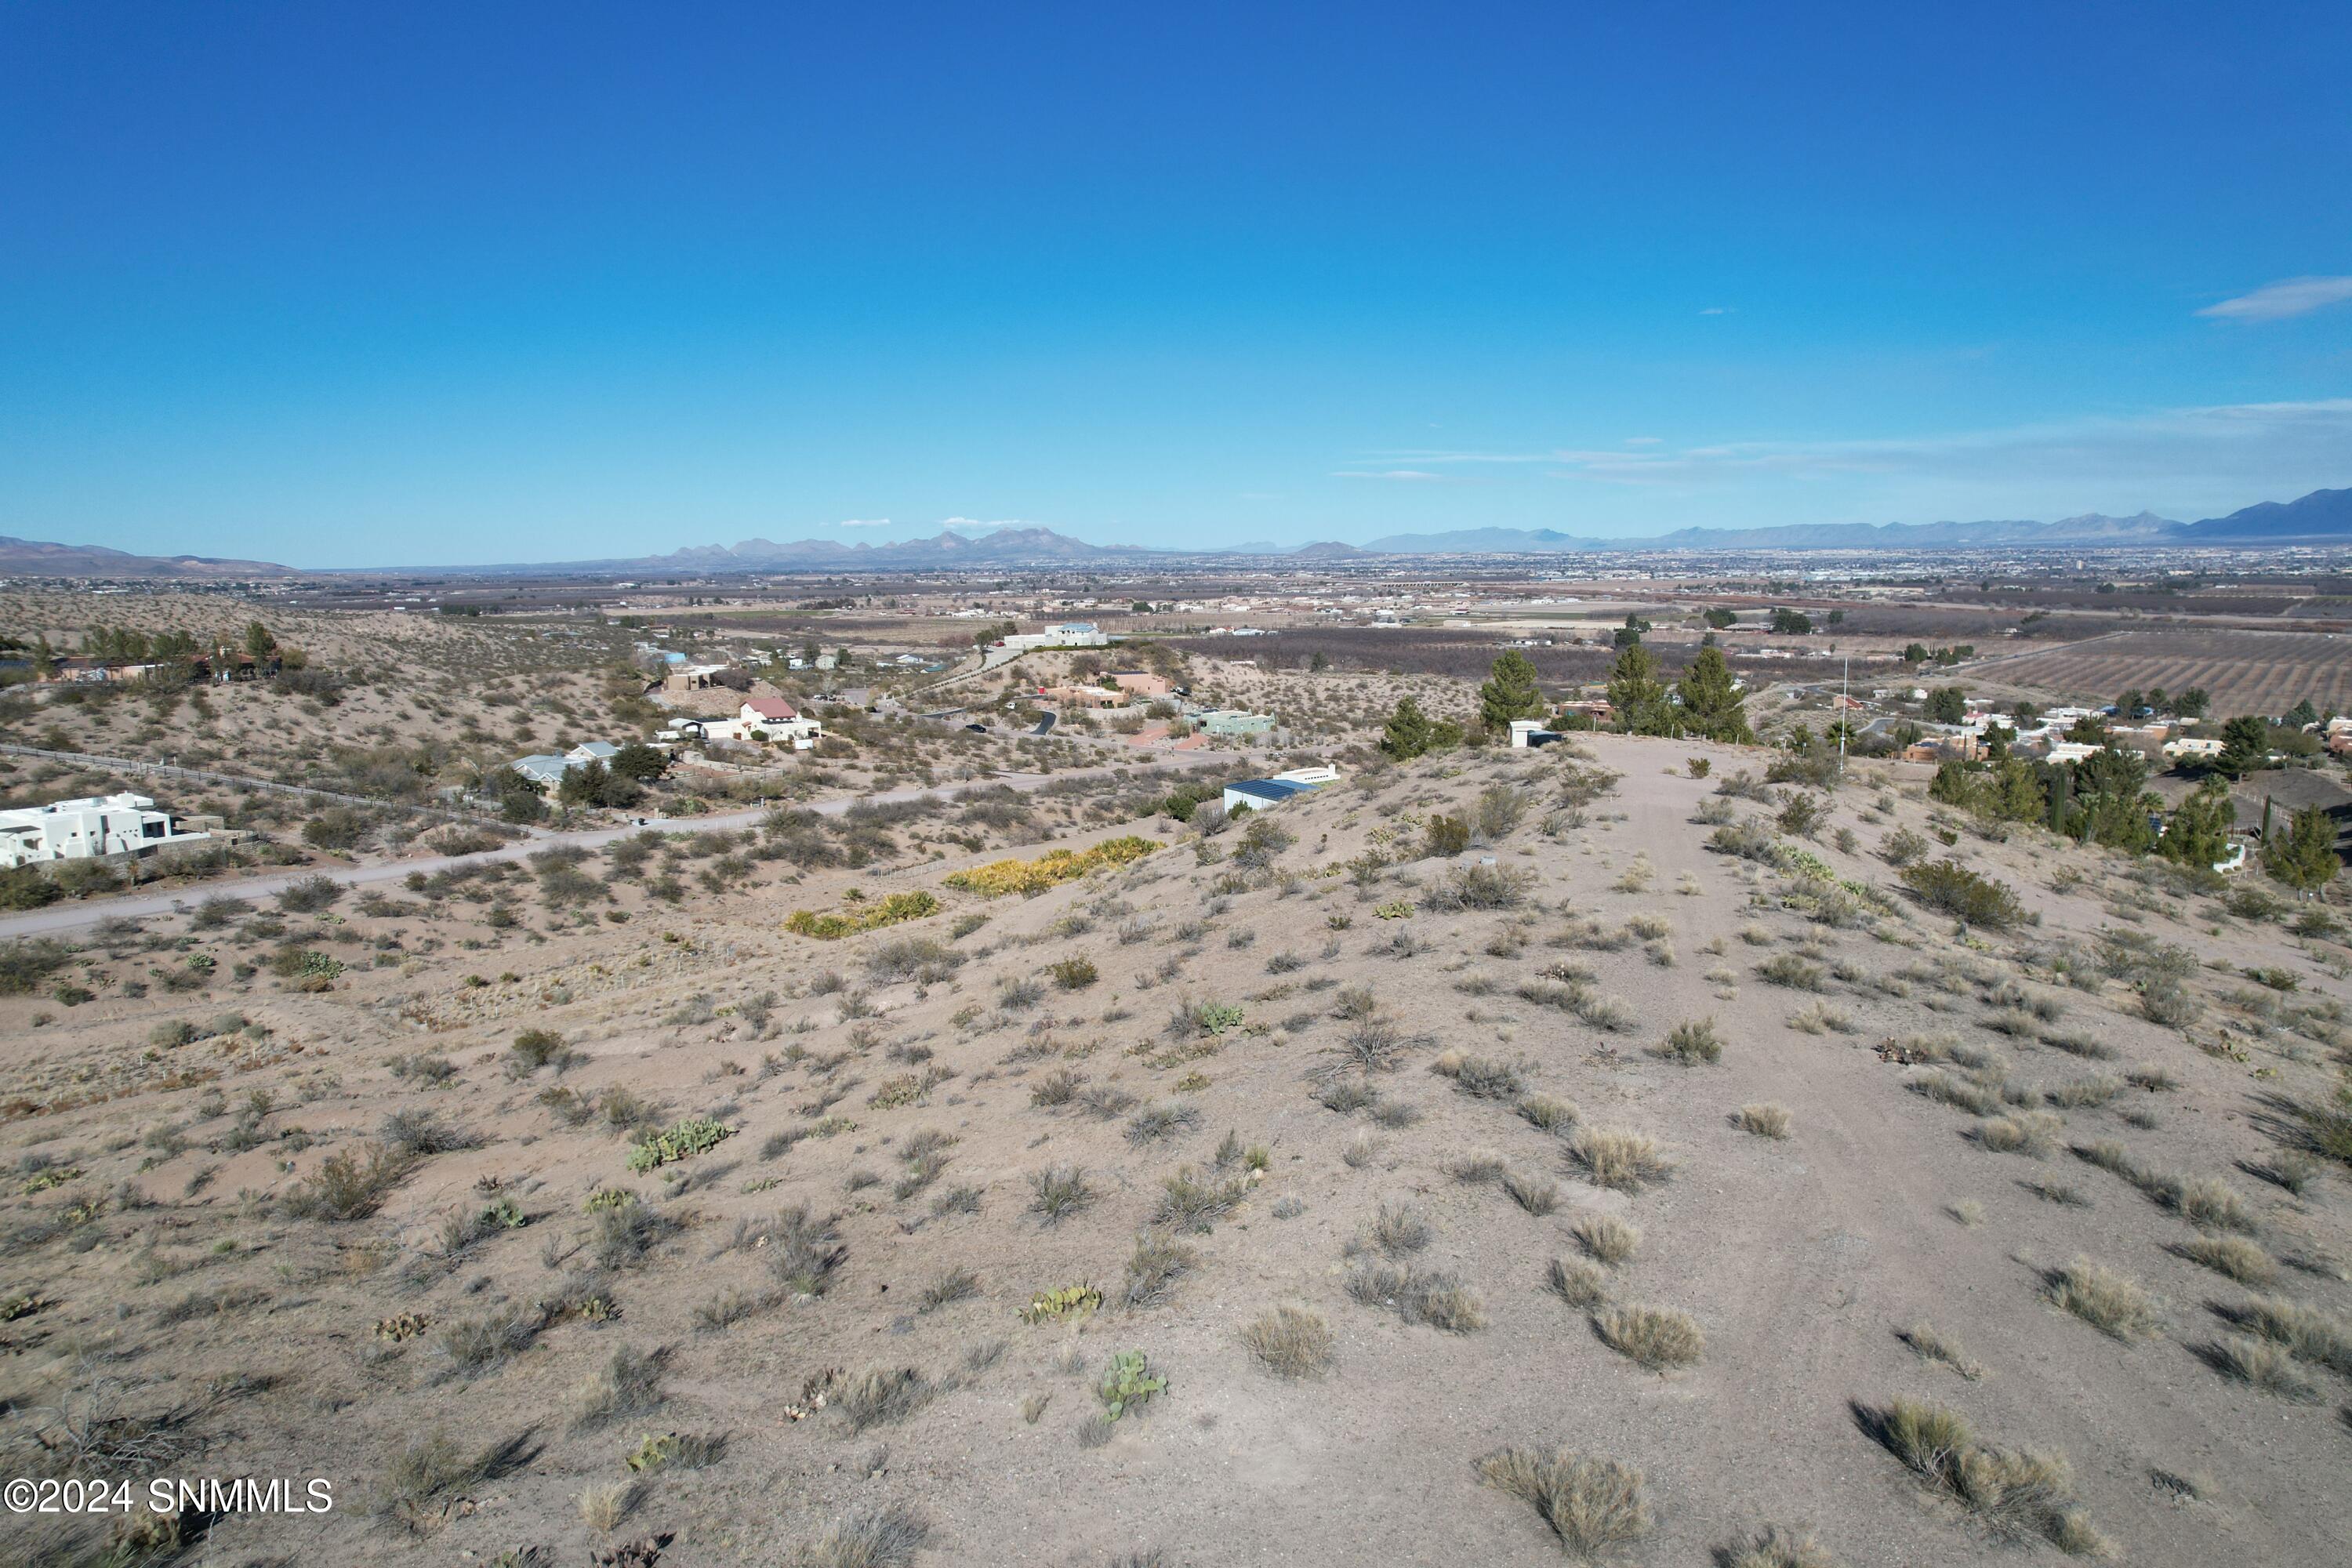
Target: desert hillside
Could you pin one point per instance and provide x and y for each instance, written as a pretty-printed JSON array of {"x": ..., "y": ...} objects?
[{"x": 1598, "y": 1150}]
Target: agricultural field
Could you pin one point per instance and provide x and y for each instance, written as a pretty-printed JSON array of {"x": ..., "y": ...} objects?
[{"x": 2244, "y": 671}]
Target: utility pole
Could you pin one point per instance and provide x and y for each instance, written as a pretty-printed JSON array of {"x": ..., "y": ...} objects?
[{"x": 1845, "y": 702}]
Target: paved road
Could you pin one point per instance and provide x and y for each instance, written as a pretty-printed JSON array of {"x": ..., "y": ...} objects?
[{"x": 90, "y": 911}]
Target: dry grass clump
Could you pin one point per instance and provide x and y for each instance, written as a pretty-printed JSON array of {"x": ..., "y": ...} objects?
[
  {"x": 1616, "y": 1157},
  {"x": 1787, "y": 969},
  {"x": 2260, "y": 1365},
  {"x": 1438, "y": 1299},
  {"x": 1777, "y": 1547},
  {"x": 1189, "y": 1203},
  {"x": 1658, "y": 1337},
  {"x": 1153, "y": 1268},
  {"x": 884, "y": 1537},
  {"x": 2109, "y": 1301},
  {"x": 2305, "y": 1332},
  {"x": 1764, "y": 1120},
  {"x": 629, "y": 1383},
  {"x": 2233, "y": 1256},
  {"x": 1398, "y": 1231},
  {"x": 2033, "y": 1134},
  {"x": 1693, "y": 1042},
  {"x": 1580, "y": 1284},
  {"x": 1552, "y": 1114},
  {"x": 1607, "y": 1240},
  {"x": 1932, "y": 1345},
  {"x": 1290, "y": 1343},
  {"x": 1592, "y": 1505},
  {"x": 602, "y": 1508},
  {"x": 1821, "y": 1018},
  {"x": 1538, "y": 1195},
  {"x": 1060, "y": 1191},
  {"x": 880, "y": 1395},
  {"x": 1481, "y": 1077},
  {"x": 2017, "y": 1491}
]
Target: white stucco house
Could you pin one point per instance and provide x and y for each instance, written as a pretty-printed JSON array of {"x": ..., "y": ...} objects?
[{"x": 94, "y": 824}]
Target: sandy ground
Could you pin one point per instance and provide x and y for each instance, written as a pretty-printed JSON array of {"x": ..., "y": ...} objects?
[{"x": 1801, "y": 1260}]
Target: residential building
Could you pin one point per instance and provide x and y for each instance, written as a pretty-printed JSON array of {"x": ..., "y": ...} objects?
[
  {"x": 79, "y": 830},
  {"x": 1235, "y": 722},
  {"x": 2190, "y": 748},
  {"x": 1083, "y": 696},
  {"x": 1257, "y": 795},
  {"x": 1141, "y": 682}
]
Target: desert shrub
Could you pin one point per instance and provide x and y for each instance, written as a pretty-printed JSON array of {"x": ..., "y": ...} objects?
[
  {"x": 2017, "y": 1491},
  {"x": 1692, "y": 1042},
  {"x": 309, "y": 896},
  {"x": 628, "y": 1384},
  {"x": 1290, "y": 1343},
  {"x": 1438, "y": 1299},
  {"x": 1075, "y": 973},
  {"x": 1614, "y": 1157},
  {"x": 1787, "y": 969},
  {"x": 1030, "y": 877},
  {"x": 1607, "y": 1238},
  {"x": 1952, "y": 888},
  {"x": 1445, "y": 836},
  {"x": 883, "y": 1536},
  {"x": 2110, "y": 1302},
  {"x": 891, "y": 911},
  {"x": 1190, "y": 1202},
  {"x": 1765, "y": 1120},
  {"x": 1480, "y": 1076},
  {"x": 1592, "y": 1506},
  {"x": 1580, "y": 1284},
  {"x": 881, "y": 1397},
  {"x": 1058, "y": 1192},
  {"x": 1659, "y": 1337},
  {"x": 349, "y": 1186},
  {"x": 1153, "y": 1267}
]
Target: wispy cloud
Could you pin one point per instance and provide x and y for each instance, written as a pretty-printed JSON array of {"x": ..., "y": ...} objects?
[
  {"x": 1406, "y": 476},
  {"x": 865, "y": 523},
  {"x": 2255, "y": 447},
  {"x": 1716, "y": 310},
  {"x": 974, "y": 525},
  {"x": 2287, "y": 297}
]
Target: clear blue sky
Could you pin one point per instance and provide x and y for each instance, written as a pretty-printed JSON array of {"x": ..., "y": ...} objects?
[{"x": 343, "y": 285}]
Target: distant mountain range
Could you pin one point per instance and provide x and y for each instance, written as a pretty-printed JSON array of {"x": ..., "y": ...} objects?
[
  {"x": 31, "y": 558},
  {"x": 2322, "y": 517}
]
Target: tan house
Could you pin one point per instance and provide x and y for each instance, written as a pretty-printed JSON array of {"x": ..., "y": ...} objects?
[{"x": 1140, "y": 682}]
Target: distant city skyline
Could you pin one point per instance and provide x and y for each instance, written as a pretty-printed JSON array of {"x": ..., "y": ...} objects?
[{"x": 454, "y": 287}]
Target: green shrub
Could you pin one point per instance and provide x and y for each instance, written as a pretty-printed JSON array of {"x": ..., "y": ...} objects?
[
  {"x": 1128, "y": 1382},
  {"x": 1952, "y": 888}
]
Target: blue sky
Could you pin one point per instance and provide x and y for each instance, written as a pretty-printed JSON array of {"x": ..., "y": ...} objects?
[{"x": 341, "y": 285}]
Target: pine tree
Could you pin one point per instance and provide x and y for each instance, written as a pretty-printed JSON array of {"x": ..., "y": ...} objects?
[
  {"x": 1712, "y": 706},
  {"x": 1407, "y": 734},
  {"x": 1510, "y": 692},
  {"x": 2198, "y": 832},
  {"x": 1637, "y": 693},
  {"x": 2303, "y": 857},
  {"x": 2245, "y": 745}
]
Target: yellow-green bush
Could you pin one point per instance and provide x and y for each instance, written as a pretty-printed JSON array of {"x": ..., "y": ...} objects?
[
  {"x": 1032, "y": 877},
  {"x": 898, "y": 907}
]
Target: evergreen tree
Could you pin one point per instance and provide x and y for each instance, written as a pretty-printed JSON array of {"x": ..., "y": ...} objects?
[
  {"x": 1712, "y": 706},
  {"x": 2013, "y": 791},
  {"x": 1510, "y": 692},
  {"x": 2303, "y": 857},
  {"x": 2245, "y": 745},
  {"x": 1408, "y": 732},
  {"x": 1637, "y": 693},
  {"x": 257, "y": 640},
  {"x": 2198, "y": 832}
]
